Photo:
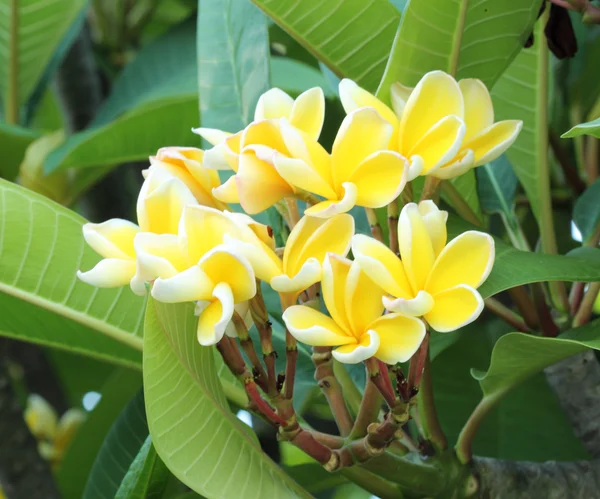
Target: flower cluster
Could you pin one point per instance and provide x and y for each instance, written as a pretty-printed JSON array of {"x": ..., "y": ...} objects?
[{"x": 190, "y": 247}]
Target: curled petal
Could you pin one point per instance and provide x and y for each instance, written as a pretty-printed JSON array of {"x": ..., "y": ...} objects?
[
  {"x": 380, "y": 178},
  {"x": 462, "y": 163},
  {"x": 467, "y": 259},
  {"x": 400, "y": 337},
  {"x": 416, "y": 167},
  {"x": 363, "y": 349},
  {"x": 435, "y": 222},
  {"x": 111, "y": 239},
  {"x": 302, "y": 175},
  {"x": 455, "y": 308},
  {"x": 264, "y": 261},
  {"x": 273, "y": 104},
  {"x": 109, "y": 273},
  {"x": 334, "y": 279},
  {"x": 308, "y": 112},
  {"x": 213, "y": 320},
  {"x": 223, "y": 265},
  {"x": 493, "y": 141},
  {"x": 313, "y": 328},
  {"x": 227, "y": 192},
  {"x": 399, "y": 96},
  {"x": 212, "y": 135},
  {"x": 416, "y": 307},
  {"x": 158, "y": 255},
  {"x": 354, "y": 97},
  {"x": 309, "y": 274},
  {"x": 326, "y": 209},
  {"x": 381, "y": 265},
  {"x": 416, "y": 248},
  {"x": 190, "y": 285},
  {"x": 363, "y": 300},
  {"x": 264, "y": 133},
  {"x": 479, "y": 110},
  {"x": 224, "y": 154}
]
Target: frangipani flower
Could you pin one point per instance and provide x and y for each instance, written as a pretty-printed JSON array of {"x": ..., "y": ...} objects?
[
  {"x": 435, "y": 280},
  {"x": 356, "y": 325},
  {"x": 443, "y": 127},
  {"x": 256, "y": 185},
  {"x": 305, "y": 251},
  {"x": 359, "y": 171}
]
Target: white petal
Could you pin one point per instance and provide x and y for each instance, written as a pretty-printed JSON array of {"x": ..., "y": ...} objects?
[
  {"x": 190, "y": 285},
  {"x": 111, "y": 239},
  {"x": 359, "y": 353},
  {"x": 418, "y": 306},
  {"x": 327, "y": 209},
  {"x": 109, "y": 273},
  {"x": 309, "y": 274},
  {"x": 212, "y": 135}
]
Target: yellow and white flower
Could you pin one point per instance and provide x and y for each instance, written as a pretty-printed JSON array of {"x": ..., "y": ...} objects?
[
  {"x": 356, "y": 325},
  {"x": 432, "y": 279},
  {"x": 443, "y": 127},
  {"x": 256, "y": 184},
  {"x": 359, "y": 172}
]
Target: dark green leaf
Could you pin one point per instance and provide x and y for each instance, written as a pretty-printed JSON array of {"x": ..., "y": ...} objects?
[
  {"x": 497, "y": 185},
  {"x": 586, "y": 212}
]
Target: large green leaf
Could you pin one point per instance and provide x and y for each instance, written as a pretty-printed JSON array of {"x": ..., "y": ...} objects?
[
  {"x": 520, "y": 425},
  {"x": 522, "y": 93},
  {"x": 590, "y": 128},
  {"x": 79, "y": 459},
  {"x": 465, "y": 38},
  {"x": 42, "y": 301},
  {"x": 586, "y": 212},
  {"x": 296, "y": 77},
  {"x": 147, "y": 476},
  {"x": 119, "y": 449},
  {"x": 233, "y": 62},
  {"x": 497, "y": 184},
  {"x": 13, "y": 144},
  {"x": 353, "y": 38},
  {"x": 517, "y": 356},
  {"x": 192, "y": 428},
  {"x": 28, "y": 46}
]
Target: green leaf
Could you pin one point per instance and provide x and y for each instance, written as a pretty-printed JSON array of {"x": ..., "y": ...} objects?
[
  {"x": 147, "y": 476},
  {"x": 233, "y": 62},
  {"x": 522, "y": 93},
  {"x": 586, "y": 212},
  {"x": 353, "y": 38},
  {"x": 14, "y": 141},
  {"x": 119, "y": 449},
  {"x": 201, "y": 441},
  {"x": 466, "y": 39},
  {"x": 153, "y": 104},
  {"x": 295, "y": 77},
  {"x": 519, "y": 426},
  {"x": 314, "y": 478},
  {"x": 42, "y": 301},
  {"x": 497, "y": 184},
  {"x": 513, "y": 267},
  {"x": 517, "y": 356},
  {"x": 75, "y": 468},
  {"x": 29, "y": 45},
  {"x": 590, "y": 128}
]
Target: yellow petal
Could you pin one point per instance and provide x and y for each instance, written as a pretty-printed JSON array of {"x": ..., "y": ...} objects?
[
  {"x": 354, "y": 353},
  {"x": 227, "y": 192},
  {"x": 264, "y": 261},
  {"x": 203, "y": 228},
  {"x": 313, "y": 328},
  {"x": 362, "y": 133},
  {"x": 380, "y": 178},
  {"x": 313, "y": 238},
  {"x": 265, "y": 133},
  {"x": 415, "y": 307},
  {"x": 416, "y": 249},
  {"x": 493, "y": 141},
  {"x": 111, "y": 239},
  {"x": 190, "y": 285},
  {"x": 333, "y": 285},
  {"x": 436, "y": 96},
  {"x": 212, "y": 135},
  {"x": 161, "y": 202},
  {"x": 455, "y": 308},
  {"x": 222, "y": 265},
  {"x": 303, "y": 176},
  {"x": 308, "y": 112},
  {"x": 158, "y": 255},
  {"x": 479, "y": 110},
  {"x": 67, "y": 427},
  {"x": 440, "y": 144},
  {"x": 326, "y": 209},
  {"x": 273, "y": 104},
  {"x": 467, "y": 259},
  {"x": 381, "y": 265},
  {"x": 399, "y": 97},
  {"x": 399, "y": 337},
  {"x": 462, "y": 162},
  {"x": 213, "y": 320},
  {"x": 309, "y": 274},
  {"x": 224, "y": 154},
  {"x": 362, "y": 300},
  {"x": 259, "y": 184},
  {"x": 262, "y": 231},
  {"x": 40, "y": 416},
  {"x": 435, "y": 222},
  {"x": 109, "y": 273},
  {"x": 354, "y": 97}
]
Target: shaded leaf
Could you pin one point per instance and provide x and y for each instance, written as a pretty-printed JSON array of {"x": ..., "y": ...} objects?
[
  {"x": 497, "y": 184},
  {"x": 14, "y": 141},
  {"x": 586, "y": 212}
]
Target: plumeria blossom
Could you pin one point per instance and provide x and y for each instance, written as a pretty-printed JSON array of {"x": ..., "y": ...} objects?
[
  {"x": 305, "y": 251},
  {"x": 443, "y": 127},
  {"x": 256, "y": 184},
  {"x": 359, "y": 172},
  {"x": 356, "y": 326},
  {"x": 432, "y": 279}
]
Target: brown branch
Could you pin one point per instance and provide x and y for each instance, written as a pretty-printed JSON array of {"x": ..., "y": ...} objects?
[
  {"x": 370, "y": 406},
  {"x": 507, "y": 315}
]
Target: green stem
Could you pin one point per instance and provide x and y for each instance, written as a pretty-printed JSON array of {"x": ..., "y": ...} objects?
[
  {"x": 12, "y": 95},
  {"x": 370, "y": 406},
  {"x": 373, "y": 483},
  {"x": 351, "y": 393},
  {"x": 584, "y": 313},
  {"x": 458, "y": 34},
  {"x": 376, "y": 231},
  {"x": 426, "y": 404},
  {"x": 465, "y": 439}
]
